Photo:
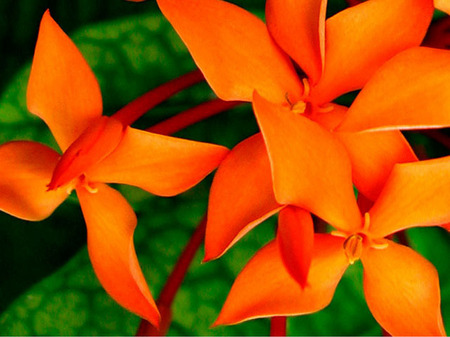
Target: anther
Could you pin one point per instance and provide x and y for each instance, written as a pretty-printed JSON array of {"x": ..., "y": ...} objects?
[{"x": 353, "y": 248}]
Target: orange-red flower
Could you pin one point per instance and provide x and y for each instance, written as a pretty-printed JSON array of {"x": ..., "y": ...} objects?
[
  {"x": 401, "y": 287},
  {"x": 35, "y": 179},
  {"x": 242, "y": 59}
]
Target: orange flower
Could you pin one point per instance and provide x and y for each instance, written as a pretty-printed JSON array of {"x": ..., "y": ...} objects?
[
  {"x": 34, "y": 179},
  {"x": 401, "y": 287},
  {"x": 242, "y": 59}
]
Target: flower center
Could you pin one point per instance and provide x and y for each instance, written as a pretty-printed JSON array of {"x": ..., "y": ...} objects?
[{"x": 353, "y": 248}]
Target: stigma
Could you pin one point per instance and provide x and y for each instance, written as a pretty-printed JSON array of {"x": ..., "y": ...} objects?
[{"x": 353, "y": 248}]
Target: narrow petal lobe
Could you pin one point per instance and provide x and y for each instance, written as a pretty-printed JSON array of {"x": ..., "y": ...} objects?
[
  {"x": 62, "y": 89},
  {"x": 25, "y": 170},
  {"x": 110, "y": 222},
  {"x": 233, "y": 49},
  {"x": 241, "y": 196},
  {"x": 295, "y": 238},
  {"x": 264, "y": 288},
  {"x": 402, "y": 291},
  {"x": 161, "y": 165}
]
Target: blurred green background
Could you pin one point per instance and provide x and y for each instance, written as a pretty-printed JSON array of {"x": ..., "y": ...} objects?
[{"x": 48, "y": 286}]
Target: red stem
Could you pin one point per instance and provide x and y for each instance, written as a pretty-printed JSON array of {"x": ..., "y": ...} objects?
[
  {"x": 191, "y": 116},
  {"x": 132, "y": 111},
  {"x": 173, "y": 283},
  {"x": 278, "y": 326}
]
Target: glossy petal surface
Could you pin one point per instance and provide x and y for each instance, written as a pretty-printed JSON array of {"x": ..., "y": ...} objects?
[
  {"x": 310, "y": 167},
  {"x": 62, "y": 89},
  {"x": 299, "y": 28},
  {"x": 402, "y": 291},
  {"x": 241, "y": 196},
  {"x": 264, "y": 288},
  {"x": 361, "y": 38},
  {"x": 233, "y": 49},
  {"x": 373, "y": 156},
  {"x": 295, "y": 238},
  {"x": 25, "y": 170},
  {"x": 159, "y": 164},
  {"x": 110, "y": 222},
  {"x": 416, "y": 194},
  {"x": 414, "y": 84}
]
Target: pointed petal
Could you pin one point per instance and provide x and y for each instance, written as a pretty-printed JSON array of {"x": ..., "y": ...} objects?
[
  {"x": 241, "y": 196},
  {"x": 402, "y": 291},
  {"x": 373, "y": 156},
  {"x": 299, "y": 28},
  {"x": 93, "y": 145},
  {"x": 295, "y": 237},
  {"x": 414, "y": 84},
  {"x": 159, "y": 164},
  {"x": 110, "y": 222},
  {"x": 361, "y": 38},
  {"x": 233, "y": 49},
  {"x": 416, "y": 194},
  {"x": 310, "y": 167},
  {"x": 62, "y": 89},
  {"x": 25, "y": 170},
  {"x": 264, "y": 288}
]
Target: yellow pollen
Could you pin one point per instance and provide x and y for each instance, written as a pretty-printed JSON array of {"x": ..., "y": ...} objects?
[
  {"x": 353, "y": 248},
  {"x": 299, "y": 107},
  {"x": 90, "y": 188}
]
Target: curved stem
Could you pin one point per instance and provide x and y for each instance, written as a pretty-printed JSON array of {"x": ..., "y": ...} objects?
[
  {"x": 173, "y": 283},
  {"x": 278, "y": 326},
  {"x": 191, "y": 116},
  {"x": 132, "y": 111}
]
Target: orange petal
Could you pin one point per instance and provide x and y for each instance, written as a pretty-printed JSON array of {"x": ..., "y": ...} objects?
[
  {"x": 233, "y": 49},
  {"x": 241, "y": 196},
  {"x": 402, "y": 291},
  {"x": 264, "y": 288},
  {"x": 94, "y": 144},
  {"x": 299, "y": 28},
  {"x": 416, "y": 194},
  {"x": 295, "y": 238},
  {"x": 159, "y": 164},
  {"x": 442, "y": 5},
  {"x": 310, "y": 166},
  {"x": 410, "y": 91},
  {"x": 373, "y": 155},
  {"x": 25, "y": 170},
  {"x": 62, "y": 89},
  {"x": 110, "y": 222},
  {"x": 361, "y": 38}
]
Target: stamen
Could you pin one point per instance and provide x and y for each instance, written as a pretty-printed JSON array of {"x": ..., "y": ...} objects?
[
  {"x": 366, "y": 221},
  {"x": 338, "y": 234},
  {"x": 90, "y": 188},
  {"x": 326, "y": 108},
  {"x": 353, "y": 248},
  {"x": 306, "y": 87},
  {"x": 379, "y": 245}
]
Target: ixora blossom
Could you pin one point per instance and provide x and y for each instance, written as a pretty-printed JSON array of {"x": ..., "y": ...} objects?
[
  {"x": 243, "y": 59},
  {"x": 400, "y": 286},
  {"x": 35, "y": 179}
]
